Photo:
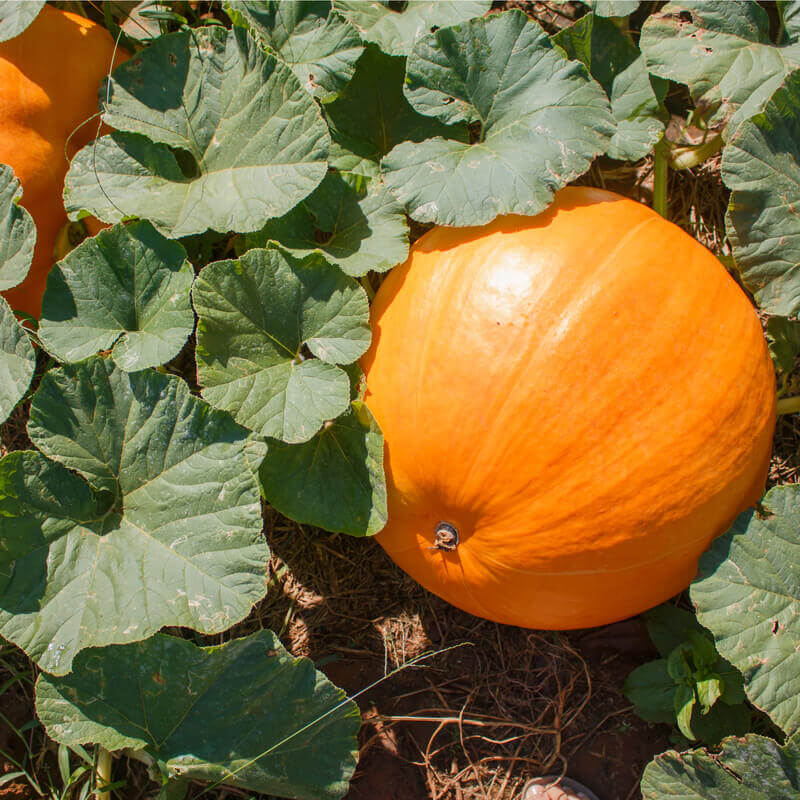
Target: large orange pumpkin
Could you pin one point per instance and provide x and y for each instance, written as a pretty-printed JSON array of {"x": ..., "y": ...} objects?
[
  {"x": 49, "y": 77},
  {"x": 574, "y": 406}
]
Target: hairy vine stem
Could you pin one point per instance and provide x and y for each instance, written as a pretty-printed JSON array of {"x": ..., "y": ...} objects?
[
  {"x": 367, "y": 284},
  {"x": 102, "y": 776},
  {"x": 660, "y": 151},
  {"x": 788, "y": 405}
]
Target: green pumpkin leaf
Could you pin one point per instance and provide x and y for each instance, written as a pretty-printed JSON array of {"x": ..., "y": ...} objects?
[
  {"x": 722, "y": 51},
  {"x": 17, "y": 232},
  {"x": 541, "y": 121},
  {"x": 669, "y": 626},
  {"x": 358, "y": 228},
  {"x": 789, "y": 12},
  {"x": 616, "y": 64},
  {"x": 255, "y": 315},
  {"x": 683, "y": 702},
  {"x": 677, "y": 664},
  {"x": 709, "y": 690},
  {"x": 16, "y": 16},
  {"x": 319, "y": 45},
  {"x": 245, "y": 713},
  {"x": 372, "y": 115},
  {"x": 760, "y": 165},
  {"x": 651, "y": 689},
  {"x": 396, "y": 31},
  {"x": 653, "y": 693},
  {"x": 127, "y": 289},
  {"x": 17, "y": 361},
  {"x": 752, "y": 768},
  {"x": 213, "y": 133},
  {"x": 161, "y": 525},
  {"x": 334, "y": 481},
  {"x": 783, "y": 336},
  {"x": 17, "y": 240},
  {"x": 747, "y": 594},
  {"x": 612, "y": 8}
]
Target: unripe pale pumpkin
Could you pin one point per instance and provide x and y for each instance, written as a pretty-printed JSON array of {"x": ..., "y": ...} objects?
[
  {"x": 574, "y": 406},
  {"x": 49, "y": 77}
]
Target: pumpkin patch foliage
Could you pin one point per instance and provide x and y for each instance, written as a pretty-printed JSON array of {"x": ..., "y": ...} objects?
[{"x": 355, "y": 263}]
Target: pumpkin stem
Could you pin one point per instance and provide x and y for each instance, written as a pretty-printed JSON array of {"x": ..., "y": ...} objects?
[{"x": 446, "y": 537}]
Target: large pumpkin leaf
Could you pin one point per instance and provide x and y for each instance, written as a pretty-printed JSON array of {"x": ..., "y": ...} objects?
[
  {"x": 217, "y": 134},
  {"x": 255, "y": 317},
  {"x": 540, "y": 120},
  {"x": 747, "y": 594},
  {"x": 17, "y": 232},
  {"x": 396, "y": 31},
  {"x": 372, "y": 115},
  {"x": 17, "y": 240},
  {"x": 334, "y": 481},
  {"x": 244, "y": 713},
  {"x": 789, "y": 13},
  {"x": 126, "y": 289},
  {"x": 760, "y": 165},
  {"x": 783, "y": 336},
  {"x": 319, "y": 45},
  {"x": 16, "y": 16},
  {"x": 612, "y": 8},
  {"x": 616, "y": 64},
  {"x": 163, "y": 527},
  {"x": 722, "y": 51},
  {"x": 356, "y": 224},
  {"x": 17, "y": 361},
  {"x": 751, "y": 768}
]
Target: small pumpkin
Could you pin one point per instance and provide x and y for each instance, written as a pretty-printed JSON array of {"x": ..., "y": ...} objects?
[
  {"x": 574, "y": 406},
  {"x": 49, "y": 78}
]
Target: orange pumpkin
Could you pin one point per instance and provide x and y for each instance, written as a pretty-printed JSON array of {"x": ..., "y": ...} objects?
[
  {"x": 49, "y": 78},
  {"x": 574, "y": 406}
]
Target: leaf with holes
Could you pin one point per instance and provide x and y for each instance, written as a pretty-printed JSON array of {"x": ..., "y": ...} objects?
[
  {"x": 396, "y": 31},
  {"x": 616, "y": 64},
  {"x": 754, "y": 767},
  {"x": 211, "y": 133},
  {"x": 126, "y": 289},
  {"x": 747, "y": 594},
  {"x": 279, "y": 726},
  {"x": 760, "y": 165},
  {"x": 722, "y": 52},
  {"x": 540, "y": 120},
  {"x": 334, "y": 481},
  {"x": 372, "y": 115},
  {"x": 319, "y": 45},
  {"x": 354, "y": 223},
  {"x": 16, "y": 16},
  {"x": 256, "y": 317},
  {"x": 145, "y": 513}
]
